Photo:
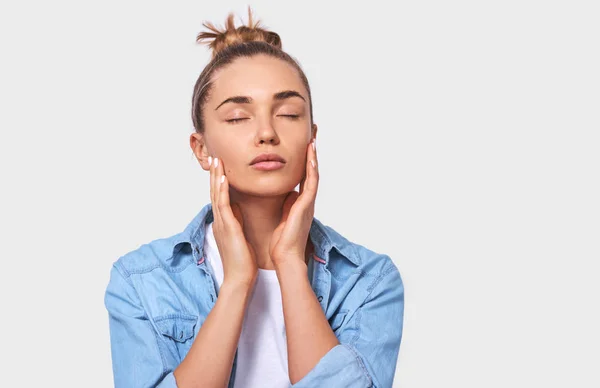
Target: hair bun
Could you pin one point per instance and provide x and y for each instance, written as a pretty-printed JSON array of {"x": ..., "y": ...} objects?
[{"x": 221, "y": 39}]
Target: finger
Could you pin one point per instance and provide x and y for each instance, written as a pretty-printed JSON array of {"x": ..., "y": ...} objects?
[
  {"x": 227, "y": 215},
  {"x": 289, "y": 201},
  {"x": 215, "y": 199},
  {"x": 308, "y": 158},
  {"x": 302, "y": 181},
  {"x": 314, "y": 172},
  {"x": 218, "y": 166},
  {"x": 311, "y": 183},
  {"x": 237, "y": 213},
  {"x": 217, "y": 177},
  {"x": 210, "y": 170}
]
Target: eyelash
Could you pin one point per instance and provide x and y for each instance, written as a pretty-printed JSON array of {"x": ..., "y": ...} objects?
[{"x": 234, "y": 121}]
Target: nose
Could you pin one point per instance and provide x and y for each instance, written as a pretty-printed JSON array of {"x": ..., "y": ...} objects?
[{"x": 267, "y": 134}]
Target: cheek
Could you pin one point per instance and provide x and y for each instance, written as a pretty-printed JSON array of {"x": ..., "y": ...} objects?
[
  {"x": 299, "y": 164},
  {"x": 300, "y": 153},
  {"x": 234, "y": 163},
  {"x": 227, "y": 150}
]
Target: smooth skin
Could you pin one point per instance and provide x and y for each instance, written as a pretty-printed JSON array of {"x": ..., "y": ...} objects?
[{"x": 260, "y": 221}]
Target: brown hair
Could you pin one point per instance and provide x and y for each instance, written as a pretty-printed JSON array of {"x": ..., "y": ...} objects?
[{"x": 230, "y": 44}]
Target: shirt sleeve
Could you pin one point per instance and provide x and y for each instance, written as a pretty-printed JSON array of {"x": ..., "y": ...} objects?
[
  {"x": 369, "y": 343},
  {"x": 138, "y": 360}
]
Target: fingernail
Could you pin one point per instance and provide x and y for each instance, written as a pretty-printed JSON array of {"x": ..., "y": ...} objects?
[
  {"x": 216, "y": 162},
  {"x": 222, "y": 178},
  {"x": 312, "y": 162},
  {"x": 209, "y": 160},
  {"x": 314, "y": 144}
]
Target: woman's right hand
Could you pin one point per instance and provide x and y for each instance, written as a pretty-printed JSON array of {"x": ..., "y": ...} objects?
[{"x": 237, "y": 255}]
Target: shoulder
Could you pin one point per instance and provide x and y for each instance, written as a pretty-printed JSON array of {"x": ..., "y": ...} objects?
[
  {"x": 357, "y": 275},
  {"x": 170, "y": 253},
  {"x": 346, "y": 252},
  {"x": 152, "y": 281}
]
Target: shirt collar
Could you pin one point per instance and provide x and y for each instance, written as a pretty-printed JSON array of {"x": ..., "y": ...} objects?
[{"x": 323, "y": 237}]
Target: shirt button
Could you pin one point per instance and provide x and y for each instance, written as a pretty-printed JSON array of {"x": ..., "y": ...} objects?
[
  {"x": 320, "y": 298},
  {"x": 181, "y": 335}
]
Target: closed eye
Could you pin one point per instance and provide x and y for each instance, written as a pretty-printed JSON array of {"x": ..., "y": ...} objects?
[{"x": 233, "y": 121}]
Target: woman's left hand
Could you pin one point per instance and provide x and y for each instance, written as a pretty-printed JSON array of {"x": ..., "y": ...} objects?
[{"x": 290, "y": 238}]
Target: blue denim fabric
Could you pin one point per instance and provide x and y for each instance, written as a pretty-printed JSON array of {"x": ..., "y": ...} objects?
[{"x": 159, "y": 295}]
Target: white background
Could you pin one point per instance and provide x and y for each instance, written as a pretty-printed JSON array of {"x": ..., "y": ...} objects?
[{"x": 461, "y": 138}]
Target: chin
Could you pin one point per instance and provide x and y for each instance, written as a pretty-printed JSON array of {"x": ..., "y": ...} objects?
[{"x": 267, "y": 186}]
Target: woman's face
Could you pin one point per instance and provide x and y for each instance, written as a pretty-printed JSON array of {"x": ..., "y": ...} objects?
[{"x": 256, "y": 122}]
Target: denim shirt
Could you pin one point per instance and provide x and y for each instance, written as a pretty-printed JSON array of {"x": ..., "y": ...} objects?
[{"x": 159, "y": 295}]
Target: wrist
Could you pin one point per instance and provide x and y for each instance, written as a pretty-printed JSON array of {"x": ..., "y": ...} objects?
[
  {"x": 292, "y": 266},
  {"x": 236, "y": 289},
  {"x": 287, "y": 259}
]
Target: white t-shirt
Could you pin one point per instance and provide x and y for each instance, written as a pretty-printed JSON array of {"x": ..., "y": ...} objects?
[{"x": 262, "y": 349}]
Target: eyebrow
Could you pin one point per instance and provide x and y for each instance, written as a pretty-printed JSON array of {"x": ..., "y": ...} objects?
[{"x": 279, "y": 96}]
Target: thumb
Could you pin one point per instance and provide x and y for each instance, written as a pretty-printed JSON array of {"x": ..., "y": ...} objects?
[{"x": 237, "y": 213}]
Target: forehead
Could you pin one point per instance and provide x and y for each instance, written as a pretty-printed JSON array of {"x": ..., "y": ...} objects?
[{"x": 258, "y": 77}]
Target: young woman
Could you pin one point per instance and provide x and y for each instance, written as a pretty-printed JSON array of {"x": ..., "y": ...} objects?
[{"x": 255, "y": 291}]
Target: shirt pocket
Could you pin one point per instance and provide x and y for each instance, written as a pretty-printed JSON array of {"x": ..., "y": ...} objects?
[{"x": 179, "y": 329}]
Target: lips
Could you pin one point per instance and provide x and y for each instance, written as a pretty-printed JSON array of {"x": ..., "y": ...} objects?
[{"x": 267, "y": 158}]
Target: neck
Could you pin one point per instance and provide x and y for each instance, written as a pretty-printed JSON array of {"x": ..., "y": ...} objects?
[{"x": 261, "y": 216}]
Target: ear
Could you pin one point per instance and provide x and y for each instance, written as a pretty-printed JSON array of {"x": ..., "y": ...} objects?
[
  {"x": 198, "y": 145},
  {"x": 313, "y": 133}
]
